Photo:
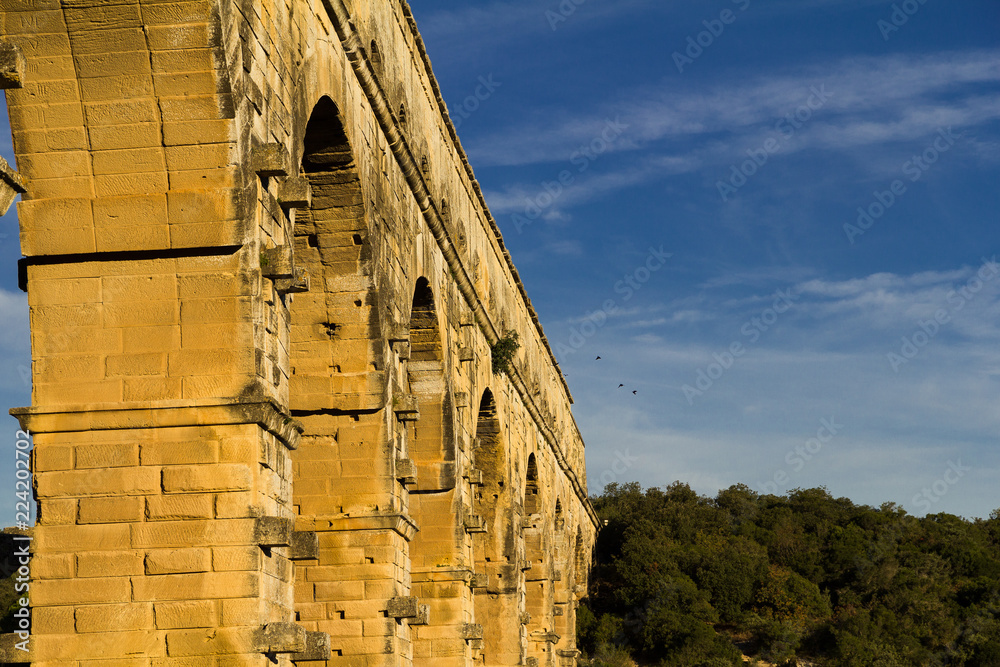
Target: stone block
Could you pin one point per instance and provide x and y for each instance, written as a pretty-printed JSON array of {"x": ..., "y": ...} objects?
[
  {"x": 271, "y": 531},
  {"x": 317, "y": 647},
  {"x": 111, "y": 510},
  {"x": 11, "y": 183},
  {"x": 114, "y": 617},
  {"x": 406, "y": 471},
  {"x": 203, "y": 478},
  {"x": 270, "y": 160},
  {"x": 186, "y": 614},
  {"x": 281, "y": 638},
  {"x": 176, "y": 561},
  {"x": 403, "y": 607},
  {"x": 295, "y": 192},
  {"x": 471, "y": 631},
  {"x": 304, "y": 546},
  {"x": 277, "y": 262},
  {"x": 12, "y": 66}
]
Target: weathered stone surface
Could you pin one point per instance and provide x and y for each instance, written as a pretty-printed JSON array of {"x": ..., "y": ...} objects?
[
  {"x": 12, "y": 65},
  {"x": 304, "y": 546},
  {"x": 264, "y": 285},
  {"x": 403, "y": 607}
]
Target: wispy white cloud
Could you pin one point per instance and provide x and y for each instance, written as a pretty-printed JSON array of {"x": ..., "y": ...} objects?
[
  {"x": 873, "y": 100},
  {"x": 825, "y": 358}
]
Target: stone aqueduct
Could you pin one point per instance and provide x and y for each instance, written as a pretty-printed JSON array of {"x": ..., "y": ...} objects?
[{"x": 263, "y": 287}]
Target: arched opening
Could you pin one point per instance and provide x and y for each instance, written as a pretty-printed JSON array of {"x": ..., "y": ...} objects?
[
  {"x": 531, "y": 500},
  {"x": 374, "y": 55},
  {"x": 437, "y": 549},
  {"x": 538, "y": 600},
  {"x": 334, "y": 332},
  {"x": 581, "y": 565},
  {"x": 402, "y": 116},
  {"x": 491, "y": 496},
  {"x": 336, "y": 387},
  {"x": 430, "y": 439},
  {"x": 498, "y": 603}
]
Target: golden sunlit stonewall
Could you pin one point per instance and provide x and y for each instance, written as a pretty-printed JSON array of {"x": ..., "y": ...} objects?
[{"x": 263, "y": 286}]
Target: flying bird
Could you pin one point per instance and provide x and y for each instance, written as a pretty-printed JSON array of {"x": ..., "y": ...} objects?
[
  {"x": 620, "y": 386},
  {"x": 635, "y": 392},
  {"x": 597, "y": 358}
]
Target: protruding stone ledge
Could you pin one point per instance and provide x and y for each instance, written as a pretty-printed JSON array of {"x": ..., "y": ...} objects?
[
  {"x": 317, "y": 647},
  {"x": 270, "y": 160},
  {"x": 272, "y": 531},
  {"x": 304, "y": 545},
  {"x": 280, "y": 638},
  {"x": 474, "y": 524},
  {"x": 121, "y": 416},
  {"x": 298, "y": 283},
  {"x": 277, "y": 262},
  {"x": 403, "y": 607},
  {"x": 423, "y": 616},
  {"x": 11, "y": 185},
  {"x": 542, "y": 637},
  {"x": 406, "y": 407},
  {"x": 406, "y": 471},
  {"x": 12, "y": 66},
  {"x": 398, "y": 523},
  {"x": 479, "y": 581},
  {"x": 295, "y": 192},
  {"x": 471, "y": 631}
]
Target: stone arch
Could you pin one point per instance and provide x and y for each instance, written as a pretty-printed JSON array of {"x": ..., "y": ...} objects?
[
  {"x": 437, "y": 550},
  {"x": 492, "y": 496},
  {"x": 496, "y": 550},
  {"x": 374, "y": 55},
  {"x": 430, "y": 438},
  {"x": 335, "y": 332},
  {"x": 336, "y": 357},
  {"x": 581, "y": 562},
  {"x": 532, "y": 501}
]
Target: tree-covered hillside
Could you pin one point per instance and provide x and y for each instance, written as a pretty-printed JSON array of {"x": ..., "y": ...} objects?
[{"x": 685, "y": 580}]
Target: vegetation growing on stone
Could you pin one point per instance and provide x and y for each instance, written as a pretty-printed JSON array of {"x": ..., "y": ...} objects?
[
  {"x": 690, "y": 581},
  {"x": 503, "y": 351}
]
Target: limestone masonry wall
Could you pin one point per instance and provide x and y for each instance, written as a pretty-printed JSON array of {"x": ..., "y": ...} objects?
[{"x": 263, "y": 286}]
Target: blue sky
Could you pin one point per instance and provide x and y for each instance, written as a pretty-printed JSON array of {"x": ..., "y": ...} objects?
[
  {"x": 803, "y": 111},
  {"x": 688, "y": 209}
]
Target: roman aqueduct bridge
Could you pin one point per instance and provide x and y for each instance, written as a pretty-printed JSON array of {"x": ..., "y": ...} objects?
[{"x": 263, "y": 287}]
